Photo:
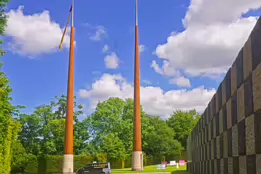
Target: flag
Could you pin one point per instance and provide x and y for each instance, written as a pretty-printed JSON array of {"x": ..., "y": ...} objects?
[{"x": 64, "y": 32}]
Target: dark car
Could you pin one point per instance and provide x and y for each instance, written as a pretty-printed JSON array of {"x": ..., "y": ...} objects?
[{"x": 95, "y": 168}]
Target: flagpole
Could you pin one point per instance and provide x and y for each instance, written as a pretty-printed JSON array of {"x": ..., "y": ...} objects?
[
  {"x": 137, "y": 156},
  {"x": 68, "y": 146}
]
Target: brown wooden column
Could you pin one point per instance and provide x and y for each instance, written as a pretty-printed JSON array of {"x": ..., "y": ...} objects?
[
  {"x": 69, "y": 135},
  {"x": 137, "y": 158}
]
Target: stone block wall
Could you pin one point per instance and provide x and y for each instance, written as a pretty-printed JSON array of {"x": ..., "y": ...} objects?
[{"x": 227, "y": 139}]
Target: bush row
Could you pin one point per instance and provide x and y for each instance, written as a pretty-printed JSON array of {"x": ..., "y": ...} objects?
[{"x": 53, "y": 164}]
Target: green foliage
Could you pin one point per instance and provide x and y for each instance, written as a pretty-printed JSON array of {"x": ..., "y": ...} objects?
[
  {"x": 43, "y": 130},
  {"x": 7, "y": 147},
  {"x": 6, "y": 107},
  {"x": 34, "y": 143},
  {"x": 152, "y": 160},
  {"x": 112, "y": 118},
  {"x": 3, "y": 17},
  {"x": 182, "y": 123},
  {"x": 161, "y": 139},
  {"x": 9, "y": 127},
  {"x": 54, "y": 164},
  {"x": 3, "y": 21},
  {"x": 30, "y": 133},
  {"x": 117, "y": 164},
  {"x": 19, "y": 157},
  {"x": 112, "y": 128},
  {"x": 31, "y": 164},
  {"x": 81, "y": 160},
  {"x": 81, "y": 135},
  {"x": 6, "y": 125},
  {"x": 102, "y": 158},
  {"x": 113, "y": 147},
  {"x": 24, "y": 162}
]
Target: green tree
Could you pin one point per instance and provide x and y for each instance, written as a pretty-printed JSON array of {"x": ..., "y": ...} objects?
[
  {"x": 19, "y": 157},
  {"x": 9, "y": 127},
  {"x": 182, "y": 122},
  {"x": 161, "y": 141},
  {"x": 30, "y": 136},
  {"x": 3, "y": 18},
  {"x": 6, "y": 148},
  {"x": 6, "y": 109},
  {"x": 113, "y": 147},
  {"x": 114, "y": 116},
  {"x": 43, "y": 130},
  {"x": 81, "y": 135},
  {"x": 114, "y": 119}
]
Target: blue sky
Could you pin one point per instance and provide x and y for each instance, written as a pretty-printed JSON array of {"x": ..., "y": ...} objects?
[{"x": 37, "y": 78}]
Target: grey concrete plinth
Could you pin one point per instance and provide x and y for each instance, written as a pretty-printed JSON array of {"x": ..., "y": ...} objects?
[
  {"x": 137, "y": 161},
  {"x": 68, "y": 164}
]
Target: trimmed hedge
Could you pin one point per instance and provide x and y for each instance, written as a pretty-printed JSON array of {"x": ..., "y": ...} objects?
[
  {"x": 80, "y": 161},
  {"x": 54, "y": 164},
  {"x": 32, "y": 165},
  {"x": 50, "y": 164},
  {"x": 120, "y": 164}
]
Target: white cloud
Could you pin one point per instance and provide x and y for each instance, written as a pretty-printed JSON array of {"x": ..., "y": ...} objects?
[
  {"x": 141, "y": 48},
  {"x": 34, "y": 34},
  {"x": 205, "y": 12},
  {"x": 180, "y": 82},
  {"x": 105, "y": 48},
  {"x": 99, "y": 33},
  {"x": 111, "y": 61},
  {"x": 214, "y": 33},
  {"x": 166, "y": 69},
  {"x": 154, "y": 100}
]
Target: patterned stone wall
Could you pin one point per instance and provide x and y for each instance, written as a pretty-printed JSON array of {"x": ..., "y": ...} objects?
[{"x": 227, "y": 139}]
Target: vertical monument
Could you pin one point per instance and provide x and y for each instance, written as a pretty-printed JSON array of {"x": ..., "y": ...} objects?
[
  {"x": 68, "y": 146},
  {"x": 227, "y": 138},
  {"x": 137, "y": 157}
]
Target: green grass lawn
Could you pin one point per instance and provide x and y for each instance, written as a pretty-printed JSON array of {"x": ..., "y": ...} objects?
[{"x": 151, "y": 169}]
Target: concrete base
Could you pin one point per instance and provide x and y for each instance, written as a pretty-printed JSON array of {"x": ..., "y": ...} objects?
[
  {"x": 137, "y": 161},
  {"x": 68, "y": 164}
]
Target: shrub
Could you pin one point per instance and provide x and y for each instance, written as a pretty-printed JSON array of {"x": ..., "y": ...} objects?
[
  {"x": 80, "y": 161},
  {"x": 53, "y": 164},
  {"x": 101, "y": 158},
  {"x": 31, "y": 165}
]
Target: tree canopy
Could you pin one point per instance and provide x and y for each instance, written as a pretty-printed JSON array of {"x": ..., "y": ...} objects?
[
  {"x": 108, "y": 130},
  {"x": 42, "y": 131},
  {"x": 182, "y": 123}
]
